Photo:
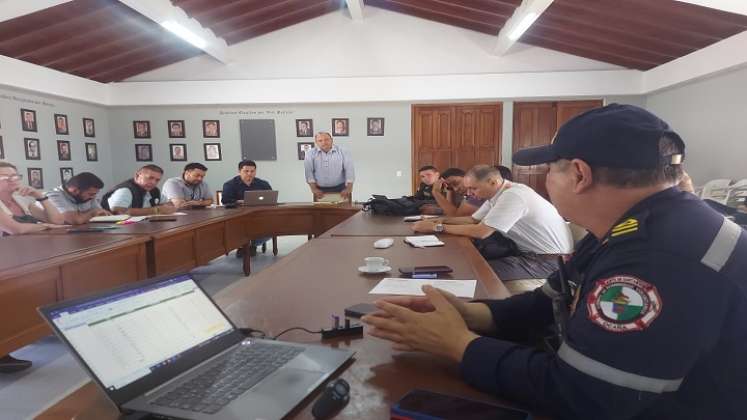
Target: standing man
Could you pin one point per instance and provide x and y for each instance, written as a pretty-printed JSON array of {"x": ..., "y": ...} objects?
[
  {"x": 138, "y": 196},
  {"x": 632, "y": 345},
  {"x": 190, "y": 189},
  {"x": 76, "y": 200},
  {"x": 328, "y": 168}
]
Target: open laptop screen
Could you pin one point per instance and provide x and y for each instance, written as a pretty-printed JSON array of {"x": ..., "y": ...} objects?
[{"x": 129, "y": 335}]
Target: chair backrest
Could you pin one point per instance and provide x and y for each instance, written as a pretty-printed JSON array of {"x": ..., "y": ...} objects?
[
  {"x": 218, "y": 197},
  {"x": 577, "y": 232},
  {"x": 737, "y": 193},
  {"x": 716, "y": 190}
]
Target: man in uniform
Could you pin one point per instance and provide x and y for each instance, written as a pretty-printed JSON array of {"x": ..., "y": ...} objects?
[{"x": 650, "y": 311}]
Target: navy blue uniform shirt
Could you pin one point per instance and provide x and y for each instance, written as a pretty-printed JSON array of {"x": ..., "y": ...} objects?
[
  {"x": 234, "y": 188},
  {"x": 657, "y": 330}
]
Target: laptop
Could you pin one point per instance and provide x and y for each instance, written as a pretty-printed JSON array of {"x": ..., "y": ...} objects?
[
  {"x": 261, "y": 198},
  {"x": 162, "y": 346}
]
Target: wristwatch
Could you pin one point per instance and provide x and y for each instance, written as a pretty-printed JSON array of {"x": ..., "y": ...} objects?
[
  {"x": 439, "y": 227},
  {"x": 42, "y": 199}
]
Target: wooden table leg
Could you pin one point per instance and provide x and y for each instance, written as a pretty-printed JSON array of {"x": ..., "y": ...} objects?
[{"x": 247, "y": 258}]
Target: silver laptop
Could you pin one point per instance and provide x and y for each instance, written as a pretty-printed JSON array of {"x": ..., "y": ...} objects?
[
  {"x": 163, "y": 347},
  {"x": 261, "y": 198}
]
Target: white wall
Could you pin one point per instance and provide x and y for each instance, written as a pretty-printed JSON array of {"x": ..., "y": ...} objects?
[
  {"x": 377, "y": 159},
  {"x": 11, "y": 101},
  {"x": 383, "y": 44},
  {"x": 711, "y": 117}
]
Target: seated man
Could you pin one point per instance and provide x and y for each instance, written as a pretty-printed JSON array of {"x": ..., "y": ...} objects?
[
  {"x": 521, "y": 232},
  {"x": 234, "y": 188},
  {"x": 428, "y": 176},
  {"x": 505, "y": 172},
  {"x": 455, "y": 202},
  {"x": 76, "y": 198},
  {"x": 190, "y": 189},
  {"x": 138, "y": 196}
]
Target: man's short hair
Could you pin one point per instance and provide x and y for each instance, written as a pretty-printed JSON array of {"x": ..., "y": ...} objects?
[
  {"x": 195, "y": 165},
  {"x": 428, "y": 168},
  {"x": 324, "y": 133},
  {"x": 84, "y": 181},
  {"x": 8, "y": 165},
  {"x": 247, "y": 163},
  {"x": 151, "y": 167},
  {"x": 483, "y": 172},
  {"x": 666, "y": 171},
  {"x": 505, "y": 172},
  {"x": 452, "y": 172}
]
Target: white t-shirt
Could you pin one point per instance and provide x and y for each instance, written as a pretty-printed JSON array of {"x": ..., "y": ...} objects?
[
  {"x": 525, "y": 217},
  {"x": 123, "y": 198}
]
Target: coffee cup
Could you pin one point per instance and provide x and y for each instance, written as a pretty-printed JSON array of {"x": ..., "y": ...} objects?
[{"x": 375, "y": 263}]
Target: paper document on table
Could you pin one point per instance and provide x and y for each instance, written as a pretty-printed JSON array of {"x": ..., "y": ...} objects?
[
  {"x": 413, "y": 287},
  {"x": 109, "y": 219},
  {"x": 332, "y": 198},
  {"x": 419, "y": 217},
  {"x": 423, "y": 241},
  {"x": 179, "y": 213}
]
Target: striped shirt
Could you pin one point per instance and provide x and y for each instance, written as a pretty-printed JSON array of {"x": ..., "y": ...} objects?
[{"x": 329, "y": 169}]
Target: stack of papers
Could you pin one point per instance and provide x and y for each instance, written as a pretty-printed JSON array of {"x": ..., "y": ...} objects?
[
  {"x": 413, "y": 287},
  {"x": 424, "y": 241},
  {"x": 109, "y": 219},
  {"x": 419, "y": 217},
  {"x": 331, "y": 198}
]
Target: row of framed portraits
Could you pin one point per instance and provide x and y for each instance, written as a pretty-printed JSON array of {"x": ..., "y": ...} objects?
[
  {"x": 340, "y": 127},
  {"x": 36, "y": 176},
  {"x": 176, "y": 129},
  {"x": 32, "y": 148},
  {"x": 178, "y": 152},
  {"x": 61, "y": 126}
]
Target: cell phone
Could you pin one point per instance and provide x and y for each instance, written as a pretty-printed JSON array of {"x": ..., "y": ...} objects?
[
  {"x": 357, "y": 311},
  {"x": 437, "y": 269},
  {"x": 420, "y": 404}
]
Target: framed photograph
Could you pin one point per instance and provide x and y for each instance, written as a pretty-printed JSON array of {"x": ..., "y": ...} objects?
[
  {"x": 340, "y": 127},
  {"x": 305, "y": 128},
  {"x": 92, "y": 152},
  {"x": 2, "y": 149},
  {"x": 375, "y": 126},
  {"x": 176, "y": 129},
  {"x": 211, "y": 128},
  {"x": 32, "y": 148},
  {"x": 28, "y": 120},
  {"x": 212, "y": 151},
  {"x": 36, "y": 178},
  {"x": 303, "y": 148},
  {"x": 60, "y": 124},
  {"x": 65, "y": 174},
  {"x": 143, "y": 153},
  {"x": 63, "y": 150},
  {"x": 178, "y": 152},
  {"x": 141, "y": 129},
  {"x": 89, "y": 129}
]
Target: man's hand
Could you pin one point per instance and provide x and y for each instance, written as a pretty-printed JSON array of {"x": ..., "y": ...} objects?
[
  {"x": 346, "y": 193},
  {"x": 167, "y": 209},
  {"x": 318, "y": 194},
  {"x": 29, "y": 192},
  {"x": 424, "y": 226},
  {"x": 441, "y": 331},
  {"x": 438, "y": 187},
  {"x": 101, "y": 212}
]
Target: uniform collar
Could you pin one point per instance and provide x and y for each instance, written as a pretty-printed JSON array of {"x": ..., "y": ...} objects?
[{"x": 633, "y": 223}]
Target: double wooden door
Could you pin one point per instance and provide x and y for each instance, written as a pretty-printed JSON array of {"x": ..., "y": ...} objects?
[
  {"x": 455, "y": 135},
  {"x": 535, "y": 124}
]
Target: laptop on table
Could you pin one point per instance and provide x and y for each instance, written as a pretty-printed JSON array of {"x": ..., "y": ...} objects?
[
  {"x": 261, "y": 198},
  {"x": 162, "y": 346}
]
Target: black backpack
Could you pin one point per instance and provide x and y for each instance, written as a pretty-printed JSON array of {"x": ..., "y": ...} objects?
[{"x": 405, "y": 206}]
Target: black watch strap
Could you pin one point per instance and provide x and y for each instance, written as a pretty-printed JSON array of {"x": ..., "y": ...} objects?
[{"x": 42, "y": 199}]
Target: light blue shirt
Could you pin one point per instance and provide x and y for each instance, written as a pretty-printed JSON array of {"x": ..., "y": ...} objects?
[{"x": 329, "y": 169}]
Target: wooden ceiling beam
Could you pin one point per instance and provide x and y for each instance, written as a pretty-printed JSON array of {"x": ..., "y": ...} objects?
[
  {"x": 258, "y": 15},
  {"x": 143, "y": 65},
  {"x": 215, "y": 15},
  {"x": 629, "y": 62}
]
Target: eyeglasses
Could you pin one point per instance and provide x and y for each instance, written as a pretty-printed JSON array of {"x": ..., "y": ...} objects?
[{"x": 16, "y": 177}]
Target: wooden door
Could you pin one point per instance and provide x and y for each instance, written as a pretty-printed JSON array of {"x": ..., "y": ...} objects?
[
  {"x": 535, "y": 124},
  {"x": 455, "y": 135}
]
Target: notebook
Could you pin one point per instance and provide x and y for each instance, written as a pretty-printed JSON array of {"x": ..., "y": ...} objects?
[
  {"x": 423, "y": 241},
  {"x": 109, "y": 219}
]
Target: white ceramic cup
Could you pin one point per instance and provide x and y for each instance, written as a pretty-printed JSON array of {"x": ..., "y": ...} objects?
[{"x": 375, "y": 263}]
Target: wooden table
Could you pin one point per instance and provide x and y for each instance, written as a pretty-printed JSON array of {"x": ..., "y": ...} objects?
[
  {"x": 36, "y": 270},
  {"x": 309, "y": 285},
  {"x": 368, "y": 224}
]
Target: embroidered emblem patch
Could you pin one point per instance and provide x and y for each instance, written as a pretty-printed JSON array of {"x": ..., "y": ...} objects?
[{"x": 623, "y": 303}]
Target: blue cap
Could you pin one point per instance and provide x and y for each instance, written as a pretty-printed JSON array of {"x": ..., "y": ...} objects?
[{"x": 614, "y": 136}]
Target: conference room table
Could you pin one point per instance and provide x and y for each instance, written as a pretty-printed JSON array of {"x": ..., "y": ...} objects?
[{"x": 318, "y": 280}]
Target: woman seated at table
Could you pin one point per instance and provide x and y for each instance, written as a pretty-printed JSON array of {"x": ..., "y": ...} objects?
[{"x": 23, "y": 209}]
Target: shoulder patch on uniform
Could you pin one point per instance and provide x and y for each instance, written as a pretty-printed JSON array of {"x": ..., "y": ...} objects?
[
  {"x": 630, "y": 225},
  {"x": 623, "y": 303}
]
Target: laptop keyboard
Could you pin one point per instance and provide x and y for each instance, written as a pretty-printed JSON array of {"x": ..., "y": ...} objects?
[{"x": 226, "y": 378}]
